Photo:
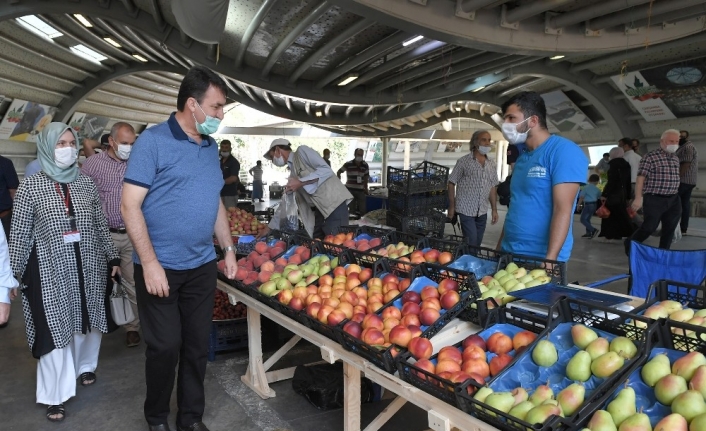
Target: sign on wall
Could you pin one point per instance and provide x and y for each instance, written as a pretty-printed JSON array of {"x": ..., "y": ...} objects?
[
  {"x": 24, "y": 120},
  {"x": 88, "y": 126},
  {"x": 563, "y": 115},
  {"x": 646, "y": 98}
]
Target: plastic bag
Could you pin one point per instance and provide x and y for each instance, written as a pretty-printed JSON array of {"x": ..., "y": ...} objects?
[
  {"x": 322, "y": 385},
  {"x": 120, "y": 307},
  {"x": 603, "y": 212},
  {"x": 677, "y": 233},
  {"x": 290, "y": 213}
]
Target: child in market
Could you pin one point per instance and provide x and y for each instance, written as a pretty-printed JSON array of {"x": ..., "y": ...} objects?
[{"x": 589, "y": 196}]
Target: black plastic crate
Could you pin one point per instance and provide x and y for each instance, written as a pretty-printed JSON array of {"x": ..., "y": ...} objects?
[
  {"x": 557, "y": 273},
  {"x": 576, "y": 312},
  {"x": 356, "y": 230},
  {"x": 426, "y": 177},
  {"x": 441, "y": 244},
  {"x": 401, "y": 203},
  {"x": 360, "y": 258},
  {"x": 227, "y": 335},
  {"x": 690, "y": 295},
  {"x": 445, "y": 389},
  {"x": 431, "y": 223}
]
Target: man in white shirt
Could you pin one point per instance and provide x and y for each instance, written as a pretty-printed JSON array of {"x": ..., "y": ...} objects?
[
  {"x": 633, "y": 159},
  {"x": 8, "y": 284}
]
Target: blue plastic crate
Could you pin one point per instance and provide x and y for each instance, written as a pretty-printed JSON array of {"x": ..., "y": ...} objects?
[{"x": 227, "y": 335}]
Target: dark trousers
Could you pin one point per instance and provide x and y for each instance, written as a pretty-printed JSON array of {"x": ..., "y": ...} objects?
[
  {"x": 326, "y": 226},
  {"x": 358, "y": 204},
  {"x": 589, "y": 208},
  {"x": 656, "y": 209},
  {"x": 473, "y": 228},
  {"x": 685, "y": 196},
  {"x": 176, "y": 330},
  {"x": 6, "y": 222}
]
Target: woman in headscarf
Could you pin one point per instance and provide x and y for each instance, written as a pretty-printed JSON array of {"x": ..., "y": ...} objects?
[
  {"x": 60, "y": 249},
  {"x": 615, "y": 197}
]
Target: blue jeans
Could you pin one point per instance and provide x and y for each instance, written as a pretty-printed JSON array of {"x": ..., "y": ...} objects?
[
  {"x": 473, "y": 228},
  {"x": 589, "y": 208}
]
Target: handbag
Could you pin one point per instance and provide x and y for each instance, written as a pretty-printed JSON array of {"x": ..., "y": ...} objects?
[
  {"x": 120, "y": 306},
  {"x": 603, "y": 212}
]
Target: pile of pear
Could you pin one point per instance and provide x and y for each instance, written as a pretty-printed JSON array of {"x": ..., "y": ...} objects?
[
  {"x": 511, "y": 279},
  {"x": 597, "y": 356},
  {"x": 680, "y": 386},
  {"x": 674, "y": 310}
]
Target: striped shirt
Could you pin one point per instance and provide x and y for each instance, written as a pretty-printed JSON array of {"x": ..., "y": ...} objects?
[
  {"x": 256, "y": 173},
  {"x": 687, "y": 154},
  {"x": 473, "y": 185},
  {"x": 356, "y": 175},
  {"x": 108, "y": 175},
  {"x": 661, "y": 172}
]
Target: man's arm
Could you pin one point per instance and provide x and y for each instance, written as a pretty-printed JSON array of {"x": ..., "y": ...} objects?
[
  {"x": 494, "y": 205},
  {"x": 340, "y": 171},
  {"x": 222, "y": 231},
  {"x": 452, "y": 200},
  {"x": 639, "y": 185},
  {"x": 89, "y": 147},
  {"x": 684, "y": 168},
  {"x": 563, "y": 196},
  {"x": 231, "y": 179}
]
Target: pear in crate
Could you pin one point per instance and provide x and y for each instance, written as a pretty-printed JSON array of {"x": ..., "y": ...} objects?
[
  {"x": 673, "y": 422},
  {"x": 582, "y": 335},
  {"x": 671, "y": 306},
  {"x": 541, "y": 394},
  {"x": 605, "y": 365},
  {"x": 545, "y": 354},
  {"x": 686, "y": 365},
  {"x": 520, "y": 395},
  {"x": 520, "y": 410},
  {"x": 623, "y": 406},
  {"x": 502, "y": 401},
  {"x": 482, "y": 394},
  {"x": 579, "y": 367},
  {"x": 657, "y": 311},
  {"x": 698, "y": 381},
  {"x": 624, "y": 347},
  {"x": 697, "y": 424},
  {"x": 540, "y": 414},
  {"x": 655, "y": 369},
  {"x": 682, "y": 315},
  {"x": 668, "y": 387},
  {"x": 602, "y": 421},
  {"x": 571, "y": 398},
  {"x": 599, "y": 346},
  {"x": 636, "y": 422},
  {"x": 689, "y": 404}
]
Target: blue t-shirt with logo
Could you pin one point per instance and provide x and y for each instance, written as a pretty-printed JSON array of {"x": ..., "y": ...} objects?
[{"x": 558, "y": 160}]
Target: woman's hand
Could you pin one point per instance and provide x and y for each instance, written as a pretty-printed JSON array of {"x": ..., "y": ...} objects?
[{"x": 116, "y": 271}]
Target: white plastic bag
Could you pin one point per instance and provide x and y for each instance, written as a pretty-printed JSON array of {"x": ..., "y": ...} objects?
[
  {"x": 120, "y": 306},
  {"x": 677, "y": 233},
  {"x": 289, "y": 216}
]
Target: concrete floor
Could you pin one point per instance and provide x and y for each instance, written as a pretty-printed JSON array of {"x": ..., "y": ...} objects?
[{"x": 115, "y": 401}]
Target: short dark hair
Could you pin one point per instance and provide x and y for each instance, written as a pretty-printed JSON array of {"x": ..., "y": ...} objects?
[
  {"x": 626, "y": 141},
  {"x": 636, "y": 140},
  {"x": 594, "y": 178},
  {"x": 326, "y": 150},
  {"x": 227, "y": 142},
  {"x": 196, "y": 83},
  {"x": 259, "y": 162},
  {"x": 356, "y": 151},
  {"x": 684, "y": 131},
  {"x": 606, "y": 154},
  {"x": 530, "y": 103}
]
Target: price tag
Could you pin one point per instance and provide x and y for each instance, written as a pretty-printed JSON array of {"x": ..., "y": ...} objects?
[{"x": 72, "y": 236}]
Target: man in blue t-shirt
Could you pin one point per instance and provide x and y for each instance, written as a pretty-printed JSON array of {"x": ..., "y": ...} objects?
[{"x": 545, "y": 183}]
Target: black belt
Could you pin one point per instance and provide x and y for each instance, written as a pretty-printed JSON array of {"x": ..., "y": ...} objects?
[
  {"x": 659, "y": 196},
  {"x": 118, "y": 230}
]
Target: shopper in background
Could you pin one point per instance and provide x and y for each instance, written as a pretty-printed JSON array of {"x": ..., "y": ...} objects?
[
  {"x": 32, "y": 168},
  {"x": 589, "y": 196},
  {"x": 503, "y": 189},
  {"x": 473, "y": 189},
  {"x": 602, "y": 167},
  {"x": 92, "y": 147},
  {"x": 636, "y": 146},
  {"x": 171, "y": 209},
  {"x": 656, "y": 192},
  {"x": 81, "y": 157},
  {"x": 60, "y": 249},
  {"x": 357, "y": 176},
  {"x": 327, "y": 156},
  {"x": 545, "y": 183},
  {"x": 257, "y": 187},
  {"x": 688, "y": 174},
  {"x": 107, "y": 170},
  {"x": 322, "y": 200},
  {"x": 615, "y": 196},
  {"x": 230, "y": 166},
  {"x": 8, "y": 187},
  {"x": 633, "y": 160},
  {"x": 8, "y": 283}
]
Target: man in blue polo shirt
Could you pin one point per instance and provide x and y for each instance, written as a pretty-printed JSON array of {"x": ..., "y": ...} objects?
[
  {"x": 171, "y": 207},
  {"x": 545, "y": 183}
]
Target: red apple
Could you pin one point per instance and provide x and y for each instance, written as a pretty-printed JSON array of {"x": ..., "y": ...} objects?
[
  {"x": 460, "y": 377},
  {"x": 432, "y": 256},
  {"x": 391, "y": 311},
  {"x": 420, "y": 348},
  {"x": 450, "y": 353},
  {"x": 313, "y": 309},
  {"x": 323, "y": 313},
  {"x": 404, "y": 284},
  {"x": 410, "y": 319},
  {"x": 429, "y": 292},
  {"x": 373, "y": 321},
  {"x": 410, "y": 308},
  {"x": 447, "y": 284},
  {"x": 498, "y": 363},
  {"x": 400, "y": 335},
  {"x": 499, "y": 343},
  {"x": 477, "y": 366},
  {"x": 474, "y": 352},
  {"x": 390, "y": 278},
  {"x": 296, "y": 304},
  {"x": 445, "y": 258},
  {"x": 335, "y": 317},
  {"x": 522, "y": 339},
  {"x": 365, "y": 275},
  {"x": 411, "y": 296},
  {"x": 373, "y": 337},
  {"x": 428, "y": 316},
  {"x": 447, "y": 365},
  {"x": 449, "y": 299},
  {"x": 476, "y": 340},
  {"x": 416, "y": 330},
  {"x": 431, "y": 303},
  {"x": 426, "y": 365},
  {"x": 358, "y": 317}
]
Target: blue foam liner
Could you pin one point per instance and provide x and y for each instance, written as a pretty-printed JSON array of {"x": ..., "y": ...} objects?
[
  {"x": 246, "y": 239},
  {"x": 480, "y": 267},
  {"x": 644, "y": 395},
  {"x": 363, "y": 236},
  {"x": 525, "y": 373}
]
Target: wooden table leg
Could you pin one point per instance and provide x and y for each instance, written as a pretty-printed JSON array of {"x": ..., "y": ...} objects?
[
  {"x": 351, "y": 398},
  {"x": 255, "y": 377}
]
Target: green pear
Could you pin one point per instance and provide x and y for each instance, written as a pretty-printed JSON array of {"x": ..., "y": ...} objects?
[
  {"x": 700, "y": 313},
  {"x": 511, "y": 267},
  {"x": 540, "y": 414},
  {"x": 552, "y": 402},
  {"x": 671, "y": 306},
  {"x": 654, "y": 370},
  {"x": 502, "y": 401},
  {"x": 697, "y": 424},
  {"x": 624, "y": 347},
  {"x": 500, "y": 274},
  {"x": 533, "y": 283},
  {"x": 599, "y": 346},
  {"x": 268, "y": 287},
  {"x": 605, "y": 365},
  {"x": 689, "y": 404},
  {"x": 275, "y": 276},
  {"x": 520, "y": 395},
  {"x": 520, "y": 410},
  {"x": 545, "y": 354},
  {"x": 636, "y": 422},
  {"x": 579, "y": 367},
  {"x": 541, "y": 394},
  {"x": 698, "y": 381},
  {"x": 571, "y": 398},
  {"x": 623, "y": 406},
  {"x": 582, "y": 335},
  {"x": 682, "y": 315},
  {"x": 686, "y": 365},
  {"x": 482, "y": 394},
  {"x": 334, "y": 262},
  {"x": 657, "y": 311},
  {"x": 668, "y": 387},
  {"x": 602, "y": 421},
  {"x": 673, "y": 422}
]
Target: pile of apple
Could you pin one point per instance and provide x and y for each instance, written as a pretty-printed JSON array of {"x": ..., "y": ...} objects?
[
  {"x": 292, "y": 275},
  {"x": 260, "y": 259},
  {"x": 431, "y": 256},
  {"x": 470, "y": 360},
  {"x": 223, "y": 309},
  {"x": 508, "y": 280},
  {"x": 681, "y": 386},
  {"x": 403, "y": 326},
  {"x": 348, "y": 241},
  {"x": 243, "y": 223},
  {"x": 394, "y": 251}
]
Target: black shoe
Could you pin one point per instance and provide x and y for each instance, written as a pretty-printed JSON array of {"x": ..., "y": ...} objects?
[
  {"x": 595, "y": 232},
  {"x": 160, "y": 427},
  {"x": 198, "y": 426},
  {"x": 586, "y": 235},
  {"x": 262, "y": 200},
  {"x": 132, "y": 338}
]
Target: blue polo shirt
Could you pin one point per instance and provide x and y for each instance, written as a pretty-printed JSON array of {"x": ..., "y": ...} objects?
[
  {"x": 184, "y": 183},
  {"x": 558, "y": 160}
]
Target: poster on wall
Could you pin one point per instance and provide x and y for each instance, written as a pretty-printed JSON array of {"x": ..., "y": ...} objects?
[
  {"x": 645, "y": 97},
  {"x": 399, "y": 147},
  {"x": 563, "y": 115},
  {"x": 449, "y": 147},
  {"x": 682, "y": 86},
  {"x": 374, "y": 153},
  {"x": 88, "y": 126},
  {"x": 24, "y": 120}
]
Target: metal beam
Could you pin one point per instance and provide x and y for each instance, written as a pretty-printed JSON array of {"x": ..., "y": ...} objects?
[
  {"x": 288, "y": 102},
  {"x": 245, "y": 40},
  {"x": 349, "y": 110},
  {"x": 32, "y": 69},
  {"x": 35, "y": 54},
  {"x": 592, "y": 11},
  {"x": 130, "y": 6},
  {"x": 152, "y": 86},
  {"x": 641, "y": 12},
  {"x": 533, "y": 8},
  {"x": 123, "y": 108},
  {"x": 157, "y": 13},
  {"x": 290, "y": 37},
  {"x": 80, "y": 28},
  {"x": 457, "y": 68},
  {"x": 34, "y": 87},
  {"x": 670, "y": 17},
  {"x": 144, "y": 43},
  {"x": 474, "y": 73},
  {"x": 514, "y": 88},
  {"x": 124, "y": 39},
  {"x": 327, "y": 47},
  {"x": 473, "y": 5},
  {"x": 602, "y": 79},
  {"x": 135, "y": 99}
]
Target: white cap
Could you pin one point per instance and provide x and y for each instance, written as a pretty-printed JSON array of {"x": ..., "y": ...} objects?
[{"x": 278, "y": 141}]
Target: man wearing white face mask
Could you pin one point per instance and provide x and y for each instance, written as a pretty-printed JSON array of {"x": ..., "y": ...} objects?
[
  {"x": 357, "y": 175},
  {"x": 107, "y": 169},
  {"x": 656, "y": 191},
  {"x": 545, "y": 183}
]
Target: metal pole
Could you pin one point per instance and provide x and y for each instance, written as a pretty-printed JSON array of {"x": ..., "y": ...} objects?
[
  {"x": 385, "y": 155},
  {"x": 406, "y": 155}
]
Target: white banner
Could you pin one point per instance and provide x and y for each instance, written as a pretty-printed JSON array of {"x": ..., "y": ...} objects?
[
  {"x": 24, "y": 120},
  {"x": 644, "y": 97},
  {"x": 563, "y": 115}
]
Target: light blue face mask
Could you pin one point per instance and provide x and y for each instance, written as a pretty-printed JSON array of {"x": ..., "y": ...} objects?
[{"x": 209, "y": 126}]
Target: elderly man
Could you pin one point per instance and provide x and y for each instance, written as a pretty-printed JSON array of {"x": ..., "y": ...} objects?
[
  {"x": 357, "y": 176},
  {"x": 473, "y": 188},
  {"x": 688, "y": 174},
  {"x": 656, "y": 191}
]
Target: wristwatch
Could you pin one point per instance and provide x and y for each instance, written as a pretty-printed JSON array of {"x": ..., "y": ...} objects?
[{"x": 229, "y": 248}]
